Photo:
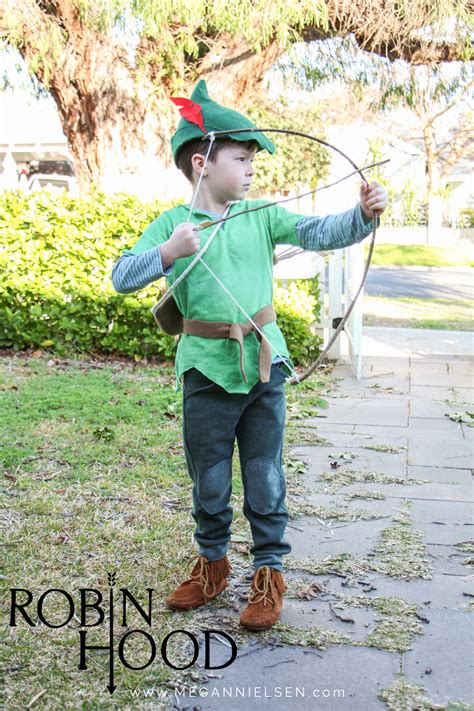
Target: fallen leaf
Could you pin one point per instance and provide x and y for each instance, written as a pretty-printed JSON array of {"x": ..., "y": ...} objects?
[
  {"x": 239, "y": 548},
  {"x": 459, "y": 416},
  {"x": 308, "y": 592}
]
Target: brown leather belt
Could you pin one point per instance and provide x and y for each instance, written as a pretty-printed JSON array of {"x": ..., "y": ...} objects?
[{"x": 237, "y": 332}]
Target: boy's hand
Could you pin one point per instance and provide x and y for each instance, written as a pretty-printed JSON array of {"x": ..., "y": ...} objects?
[
  {"x": 183, "y": 242},
  {"x": 373, "y": 198}
]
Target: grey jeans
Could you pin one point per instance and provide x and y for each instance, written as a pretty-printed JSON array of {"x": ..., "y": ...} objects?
[{"x": 213, "y": 420}]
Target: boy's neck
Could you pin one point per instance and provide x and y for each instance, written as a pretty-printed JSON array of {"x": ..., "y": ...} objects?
[
  {"x": 209, "y": 205},
  {"x": 208, "y": 202}
]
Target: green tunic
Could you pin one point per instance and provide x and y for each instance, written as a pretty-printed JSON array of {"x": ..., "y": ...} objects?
[{"x": 241, "y": 255}]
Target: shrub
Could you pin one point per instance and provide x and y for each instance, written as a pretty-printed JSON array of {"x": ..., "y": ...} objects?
[
  {"x": 466, "y": 217},
  {"x": 297, "y": 311},
  {"x": 56, "y": 258}
]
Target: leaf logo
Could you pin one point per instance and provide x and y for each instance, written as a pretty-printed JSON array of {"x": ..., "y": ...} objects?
[{"x": 111, "y": 577}]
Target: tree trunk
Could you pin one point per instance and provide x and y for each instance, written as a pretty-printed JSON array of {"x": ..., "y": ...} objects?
[
  {"x": 434, "y": 200},
  {"x": 113, "y": 116},
  {"x": 112, "y": 119}
]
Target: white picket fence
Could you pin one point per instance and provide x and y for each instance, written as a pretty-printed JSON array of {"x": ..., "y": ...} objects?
[{"x": 345, "y": 269}]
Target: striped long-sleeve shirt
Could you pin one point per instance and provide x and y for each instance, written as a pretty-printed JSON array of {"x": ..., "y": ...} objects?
[{"x": 134, "y": 272}]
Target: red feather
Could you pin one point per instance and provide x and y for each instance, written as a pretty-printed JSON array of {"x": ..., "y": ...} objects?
[{"x": 189, "y": 110}]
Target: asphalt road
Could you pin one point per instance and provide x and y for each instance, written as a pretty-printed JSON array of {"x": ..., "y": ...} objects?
[{"x": 421, "y": 282}]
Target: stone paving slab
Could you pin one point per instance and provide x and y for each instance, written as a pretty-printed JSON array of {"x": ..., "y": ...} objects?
[
  {"x": 440, "y": 592},
  {"x": 358, "y": 435},
  {"x": 320, "y": 458},
  {"x": 450, "y": 561},
  {"x": 444, "y": 523},
  {"x": 433, "y": 368},
  {"x": 382, "y": 363},
  {"x": 357, "y": 538},
  {"x": 376, "y": 505},
  {"x": 432, "y": 491},
  {"x": 317, "y": 613},
  {"x": 444, "y": 368},
  {"x": 369, "y": 373},
  {"x": 445, "y": 532},
  {"x": 442, "y": 393},
  {"x": 336, "y": 679},
  {"x": 464, "y": 395},
  {"x": 442, "y": 443},
  {"x": 445, "y": 452},
  {"x": 441, "y": 474},
  {"x": 383, "y": 434},
  {"x": 396, "y": 377},
  {"x": 452, "y": 513},
  {"x": 380, "y": 368},
  {"x": 355, "y": 411},
  {"x": 372, "y": 388},
  {"x": 461, "y": 367},
  {"x": 449, "y": 380},
  {"x": 448, "y": 655},
  {"x": 437, "y": 428},
  {"x": 388, "y": 508},
  {"x": 431, "y": 408}
]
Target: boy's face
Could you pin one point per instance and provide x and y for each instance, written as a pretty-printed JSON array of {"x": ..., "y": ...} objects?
[{"x": 230, "y": 174}]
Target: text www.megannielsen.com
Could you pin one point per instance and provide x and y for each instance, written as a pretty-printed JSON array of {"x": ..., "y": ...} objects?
[{"x": 242, "y": 692}]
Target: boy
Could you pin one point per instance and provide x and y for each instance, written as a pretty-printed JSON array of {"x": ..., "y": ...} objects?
[{"x": 233, "y": 379}]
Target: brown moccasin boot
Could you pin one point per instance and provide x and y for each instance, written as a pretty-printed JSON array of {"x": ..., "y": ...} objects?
[
  {"x": 208, "y": 579},
  {"x": 265, "y": 600}
]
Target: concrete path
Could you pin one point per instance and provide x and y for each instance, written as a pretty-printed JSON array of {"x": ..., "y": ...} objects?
[{"x": 386, "y": 437}]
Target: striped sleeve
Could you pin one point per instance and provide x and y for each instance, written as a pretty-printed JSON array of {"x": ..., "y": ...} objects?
[
  {"x": 333, "y": 231},
  {"x": 133, "y": 272}
]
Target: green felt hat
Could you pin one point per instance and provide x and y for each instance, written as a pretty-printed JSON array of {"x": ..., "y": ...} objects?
[{"x": 201, "y": 115}]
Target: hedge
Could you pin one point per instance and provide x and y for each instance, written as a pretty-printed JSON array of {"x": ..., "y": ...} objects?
[{"x": 56, "y": 259}]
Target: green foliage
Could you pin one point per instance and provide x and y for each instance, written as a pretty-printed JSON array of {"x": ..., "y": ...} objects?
[
  {"x": 466, "y": 217},
  {"x": 422, "y": 88},
  {"x": 406, "y": 208},
  {"x": 298, "y": 161},
  {"x": 340, "y": 59},
  {"x": 57, "y": 257},
  {"x": 412, "y": 205},
  {"x": 375, "y": 154},
  {"x": 297, "y": 311},
  {"x": 56, "y": 292},
  {"x": 181, "y": 26},
  {"x": 172, "y": 37}
]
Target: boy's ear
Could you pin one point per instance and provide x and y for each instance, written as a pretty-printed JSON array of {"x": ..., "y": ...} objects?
[{"x": 197, "y": 161}]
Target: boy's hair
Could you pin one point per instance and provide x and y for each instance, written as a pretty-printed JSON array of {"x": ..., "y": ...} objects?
[{"x": 183, "y": 159}]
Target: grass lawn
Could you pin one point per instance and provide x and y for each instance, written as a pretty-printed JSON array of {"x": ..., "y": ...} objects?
[
  {"x": 398, "y": 255},
  {"x": 94, "y": 482},
  {"x": 404, "y": 312}
]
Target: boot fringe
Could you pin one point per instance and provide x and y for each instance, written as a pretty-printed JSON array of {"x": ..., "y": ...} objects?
[
  {"x": 279, "y": 583},
  {"x": 218, "y": 569}
]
